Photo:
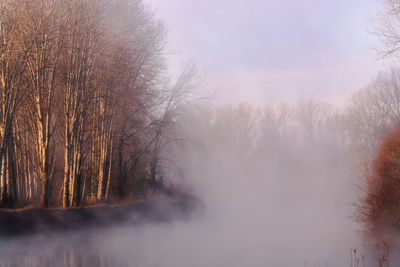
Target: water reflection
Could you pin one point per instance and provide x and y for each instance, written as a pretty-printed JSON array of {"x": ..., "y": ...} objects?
[
  {"x": 66, "y": 258},
  {"x": 74, "y": 250}
]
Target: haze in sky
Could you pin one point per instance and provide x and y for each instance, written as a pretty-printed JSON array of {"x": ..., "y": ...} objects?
[
  {"x": 275, "y": 187},
  {"x": 266, "y": 51}
]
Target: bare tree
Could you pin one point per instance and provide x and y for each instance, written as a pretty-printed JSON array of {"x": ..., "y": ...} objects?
[
  {"x": 164, "y": 129},
  {"x": 13, "y": 59},
  {"x": 371, "y": 112},
  {"x": 42, "y": 37},
  {"x": 82, "y": 81},
  {"x": 386, "y": 27},
  {"x": 79, "y": 60}
]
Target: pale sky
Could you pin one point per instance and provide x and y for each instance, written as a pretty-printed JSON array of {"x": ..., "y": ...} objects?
[{"x": 266, "y": 51}]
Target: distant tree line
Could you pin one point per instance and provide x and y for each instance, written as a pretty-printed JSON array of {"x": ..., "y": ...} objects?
[
  {"x": 85, "y": 107},
  {"x": 306, "y": 144}
]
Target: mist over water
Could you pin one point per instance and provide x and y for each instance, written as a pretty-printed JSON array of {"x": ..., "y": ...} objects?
[
  {"x": 274, "y": 186},
  {"x": 287, "y": 205}
]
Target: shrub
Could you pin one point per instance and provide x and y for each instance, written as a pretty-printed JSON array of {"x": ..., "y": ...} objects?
[{"x": 380, "y": 209}]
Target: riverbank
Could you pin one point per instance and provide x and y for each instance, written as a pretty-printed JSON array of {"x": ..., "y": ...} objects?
[{"x": 17, "y": 222}]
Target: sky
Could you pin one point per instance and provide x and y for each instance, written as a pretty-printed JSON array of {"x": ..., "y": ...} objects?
[{"x": 267, "y": 51}]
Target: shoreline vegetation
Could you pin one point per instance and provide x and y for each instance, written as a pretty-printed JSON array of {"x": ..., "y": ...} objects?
[
  {"x": 35, "y": 220},
  {"x": 87, "y": 108}
]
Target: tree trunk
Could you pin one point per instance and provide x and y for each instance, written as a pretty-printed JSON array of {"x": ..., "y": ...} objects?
[
  {"x": 67, "y": 153},
  {"x": 44, "y": 191}
]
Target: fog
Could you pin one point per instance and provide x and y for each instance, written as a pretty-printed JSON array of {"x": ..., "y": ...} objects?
[
  {"x": 286, "y": 201},
  {"x": 274, "y": 185}
]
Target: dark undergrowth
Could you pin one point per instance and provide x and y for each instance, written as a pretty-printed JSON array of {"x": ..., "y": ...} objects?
[{"x": 32, "y": 220}]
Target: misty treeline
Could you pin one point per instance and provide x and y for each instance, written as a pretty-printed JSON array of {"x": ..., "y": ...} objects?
[
  {"x": 303, "y": 145},
  {"x": 85, "y": 102},
  {"x": 356, "y": 126}
]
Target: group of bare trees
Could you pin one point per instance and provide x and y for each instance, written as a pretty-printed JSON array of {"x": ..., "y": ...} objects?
[
  {"x": 265, "y": 130},
  {"x": 84, "y": 107},
  {"x": 309, "y": 142},
  {"x": 364, "y": 131},
  {"x": 378, "y": 112}
]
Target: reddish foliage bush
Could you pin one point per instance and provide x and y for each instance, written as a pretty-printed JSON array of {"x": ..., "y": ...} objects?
[{"x": 380, "y": 209}]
